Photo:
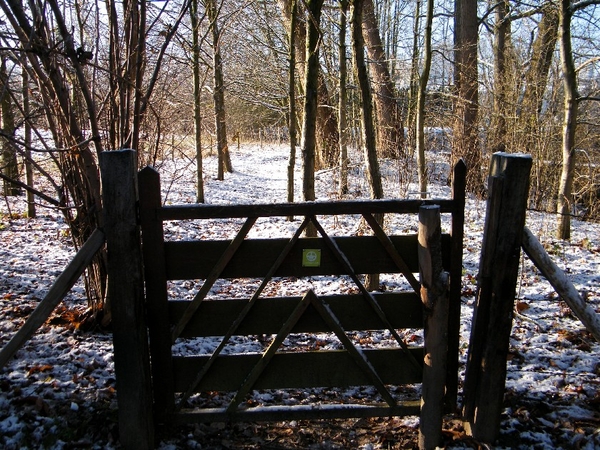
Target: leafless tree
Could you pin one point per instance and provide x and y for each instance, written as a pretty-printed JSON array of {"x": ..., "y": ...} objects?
[
  {"x": 466, "y": 138},
  {"x": 421, "y": 94}
]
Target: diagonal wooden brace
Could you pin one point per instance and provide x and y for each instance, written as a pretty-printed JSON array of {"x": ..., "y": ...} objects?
[{"x": 212, "y": 277}]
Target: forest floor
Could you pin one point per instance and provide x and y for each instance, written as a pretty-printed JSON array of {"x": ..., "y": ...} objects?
[{"x": 59, "y": 391}]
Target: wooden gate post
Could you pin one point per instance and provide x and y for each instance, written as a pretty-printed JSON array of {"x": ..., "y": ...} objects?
[
  {"x": 508, "y": 190},
  {"x": 126, "y": 297},
  {"x": 434, "y": 295}
]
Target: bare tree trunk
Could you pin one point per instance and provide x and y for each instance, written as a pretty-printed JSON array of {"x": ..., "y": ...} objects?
[
  {"x": 327, "y": 141},
  {"x": 197, "y": 89},
  {"x": 292, "y": 104},
  {"x": 536, "y": 77},
  {"x": 532, "y": 138},
  {"x": 368, "y": 125},
  {"x": 422, "y": 93},
  {"x": 327, "y": 128},
  {"x": 390, "y": 128},
  {"x": 343, "y": 186},
  {"x": 414, "y": 80},
  {"x": 31, "y": 210},
  {"x": 8, "y": 154},
  {"x": 498, "y": 129},
  {"x": 311, "y": 77},
  {"x": 466, "y": 141},
  {"x": 565, "y": 190},
  {"x": 219, "y": 94}
]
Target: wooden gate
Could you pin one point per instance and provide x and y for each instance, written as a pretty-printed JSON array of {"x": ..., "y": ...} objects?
[{"x": 233, "y": 377}]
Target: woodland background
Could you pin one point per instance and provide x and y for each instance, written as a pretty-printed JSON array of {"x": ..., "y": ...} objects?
[{"x": 183, "y": 78}]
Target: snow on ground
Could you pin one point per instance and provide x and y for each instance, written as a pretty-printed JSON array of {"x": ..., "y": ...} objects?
[{"x": 59, "y": 390}]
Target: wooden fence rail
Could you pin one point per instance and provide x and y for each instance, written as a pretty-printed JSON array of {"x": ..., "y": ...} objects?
[{"x": 55, "y": 295}]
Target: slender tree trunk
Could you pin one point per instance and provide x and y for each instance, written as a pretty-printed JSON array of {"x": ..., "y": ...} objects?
[
  {"x": 138, "y": 59},
  {"x": 311, "y": 77},
  {"x": 197, "y": 90},
  {"x": 8, "y": 161},
  {"x": 389, "y": 118},
  {"x": 116, "y": 96},
  {"x": 414, "y": 79},
  {"x": 327, "y": 151},
  {"x": 421, "y": 96},
  {"x": 565, "y": 190},
  {"x": 498, "y": 129},
  {"x": 532, "y": 137},
  {"x": 219, "y": 94},
  {"x": 292, "y": 104},
  {"x": 536, "y": 77},
  {"x": 31, "y": 210},
  {"x": 466, "y": 141},
  {"x": 327, "y": 141},
  {"x": 368, "y": 125},
  {"x": 343, "y": 187}
]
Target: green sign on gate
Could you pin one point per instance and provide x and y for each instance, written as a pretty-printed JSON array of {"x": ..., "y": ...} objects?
[{"x": 311, "y": 257}]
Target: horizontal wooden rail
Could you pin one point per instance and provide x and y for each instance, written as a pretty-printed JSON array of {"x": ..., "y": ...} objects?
[
  {"x": 298, "y": 412},
  {"x": 189, "y": 212},
  {"x": 195, "y": 259},
  {"x": 213, "y": 317},
  {"x": 298, "y": 370}
]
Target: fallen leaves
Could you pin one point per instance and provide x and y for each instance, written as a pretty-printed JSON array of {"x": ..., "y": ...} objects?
[{"x": 39, "y": 369}]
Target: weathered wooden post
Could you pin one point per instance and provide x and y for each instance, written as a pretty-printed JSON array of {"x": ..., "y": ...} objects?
[
  {"x": 456, "y": 263},
  {"x": 434, "y": 295},
  {"x": 125, "y": 292},
  {"x": 508, "y": 190}
]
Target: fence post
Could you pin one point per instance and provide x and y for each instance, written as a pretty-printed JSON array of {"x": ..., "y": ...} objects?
[
  {"x": 456, "y": 265},
  {"x": 434, "y": 295},
  {"x": 125, "y": 293},
  {"x": 508, "y": 190}
]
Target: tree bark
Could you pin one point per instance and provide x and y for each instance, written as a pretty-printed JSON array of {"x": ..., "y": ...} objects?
[
  {"x": 466, "y": 141},
  {"x": 197, "y": 90},
  {"x": 8, "y": 153},
  {"x": 327, "y": 142},
  {"x": 414, "y": 80},
  {"x": 343, "y": 186},
  {"x": 219, "y": 94},
  {"x": 532, "y": 136},
  {"x": 368, "y": 125},
  {"x": 292, "y": 104},
  {"x": 311, "y": 82},
  {"x": 565, "y": 189},
  {"x": 536, "y": 77},
  {"x": 497, "y": 133},
  {"x": 390, "y": 128},
  {"x": 31, "y": 209},
  {"x": 421, "y": 95}
]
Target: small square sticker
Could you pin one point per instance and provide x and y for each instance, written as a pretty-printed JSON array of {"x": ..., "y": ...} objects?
[{"x": 311, "y": 257}]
